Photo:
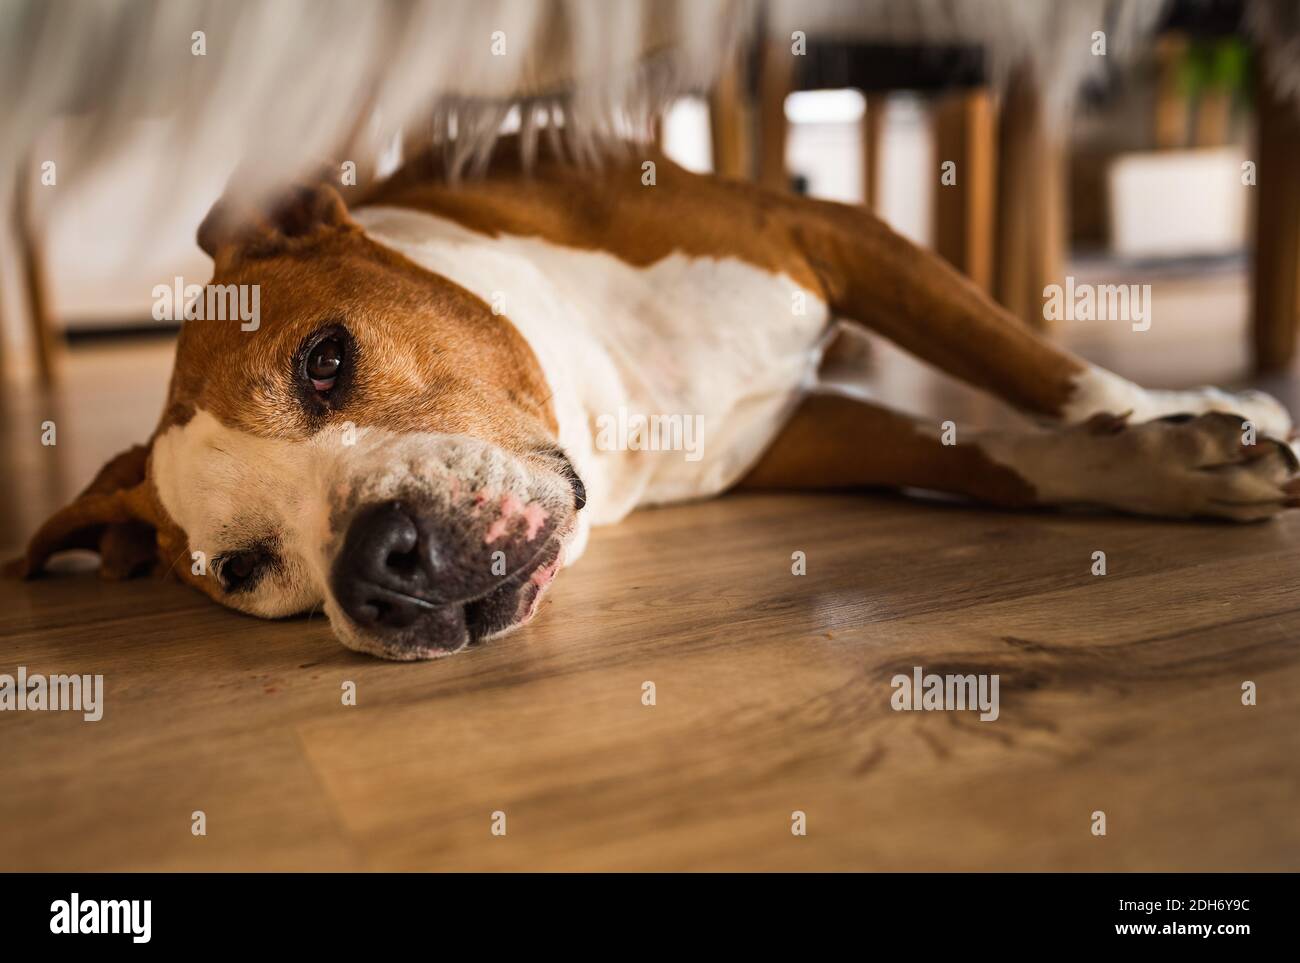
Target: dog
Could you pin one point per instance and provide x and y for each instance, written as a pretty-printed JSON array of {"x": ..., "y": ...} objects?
[{"x": 410, "y": 437}]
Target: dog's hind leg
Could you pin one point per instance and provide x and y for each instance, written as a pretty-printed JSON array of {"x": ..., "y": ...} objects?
[
  {"x": 1177, "y": 467},
  {"x": 912, "y": 296}
]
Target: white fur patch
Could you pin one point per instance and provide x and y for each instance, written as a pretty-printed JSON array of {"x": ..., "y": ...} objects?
[
  {"x": 230, "y": 490},
  {"x": 717, "y": 339},
  {"x": 1097, "y": 390}
]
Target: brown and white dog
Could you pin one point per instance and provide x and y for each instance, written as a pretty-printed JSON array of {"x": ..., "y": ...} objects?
[{"x": 409, "y": 437}]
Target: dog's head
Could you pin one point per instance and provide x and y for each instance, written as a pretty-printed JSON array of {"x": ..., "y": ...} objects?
[{"x": 376, "y": 440}]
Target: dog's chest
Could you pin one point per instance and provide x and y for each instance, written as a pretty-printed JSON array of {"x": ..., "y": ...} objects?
[{"x": 669, "y": 379}]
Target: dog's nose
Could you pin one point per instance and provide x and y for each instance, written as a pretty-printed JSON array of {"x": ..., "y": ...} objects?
[
  {"x": 399, "y": 566},
  {"x": 418, "y": 580},
  {"x": 382, "y": 576}
]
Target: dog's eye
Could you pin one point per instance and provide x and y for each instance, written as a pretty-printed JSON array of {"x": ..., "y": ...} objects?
[
  {"x": 323, "y": 363},
  {"x": 240, "y": 570},
  {"x": 324, "y": 367}
]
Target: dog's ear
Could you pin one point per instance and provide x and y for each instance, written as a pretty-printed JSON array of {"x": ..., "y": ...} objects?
[
  {"x": 117, "y": 516},
  {"x": 297, "y": 216}
]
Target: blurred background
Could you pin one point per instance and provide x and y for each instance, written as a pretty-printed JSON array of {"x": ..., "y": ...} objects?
[{"x": 1112, "y": 141}]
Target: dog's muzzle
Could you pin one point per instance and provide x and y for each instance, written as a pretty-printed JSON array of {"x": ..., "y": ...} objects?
[{"x": 418, "y": 584}]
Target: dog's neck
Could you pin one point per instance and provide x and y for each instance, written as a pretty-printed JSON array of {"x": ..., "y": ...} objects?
[{"x": 587, "y": 315}]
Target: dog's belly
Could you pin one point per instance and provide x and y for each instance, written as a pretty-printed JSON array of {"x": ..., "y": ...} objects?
[{"x": 669, "y": 380}]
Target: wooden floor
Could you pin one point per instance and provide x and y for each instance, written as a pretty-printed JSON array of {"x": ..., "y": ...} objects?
[{"x": 1119, "y": 693}]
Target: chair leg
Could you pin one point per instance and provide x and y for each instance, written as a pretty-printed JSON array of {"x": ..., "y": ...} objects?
[
  {"x": 47, "y": 344},
  {"x": 776, "y": 80},
  {"x": 1276, "y": 311},
  {"x": 1171, "y": 103},
  {"x": 873, "y": 129},
  {"x": 1031, "y": 229},
  {"x": 963, "y": 210},
  {"x": 729, "y": 122}
]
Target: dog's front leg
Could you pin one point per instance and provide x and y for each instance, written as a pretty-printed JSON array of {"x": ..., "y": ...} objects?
[{"x": 912, "y": 296}]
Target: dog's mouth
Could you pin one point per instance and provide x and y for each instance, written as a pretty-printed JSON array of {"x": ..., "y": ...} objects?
[
  {"x": 427, "y": 568},
  {"x": 434, "y": 628},
  {"x": 515, "y": 601}
]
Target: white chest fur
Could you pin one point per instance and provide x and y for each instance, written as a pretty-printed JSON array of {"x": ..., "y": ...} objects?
[{"x": 669, "y": 380}]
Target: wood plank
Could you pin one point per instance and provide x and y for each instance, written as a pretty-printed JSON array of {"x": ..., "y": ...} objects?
[{"x": 1119, "y": 692}]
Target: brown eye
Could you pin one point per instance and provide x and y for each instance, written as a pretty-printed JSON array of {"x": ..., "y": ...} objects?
[
  {"x": 324, "y": 368},
  {"x": 323, "y": 363}
]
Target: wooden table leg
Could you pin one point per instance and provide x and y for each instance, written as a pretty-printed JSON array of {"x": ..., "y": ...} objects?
[
  {"x": 1276, "y": 311},
  {"x": 1031, "y": 218},
  {"x": 1172, "y": 110},
  {"x": 46, "y": 341},
  {"x": 873, "y": 130},
  {"x": 729, "y": 121},
  {"x": 776, "y": 80},
  {"x": 963, "y": 211}
]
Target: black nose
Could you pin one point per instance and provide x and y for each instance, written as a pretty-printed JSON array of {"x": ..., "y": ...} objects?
[
  {"x": 382, "y": 576},
  {"x": 433, "y": 579},
  {"x": 399, "y": 567}
]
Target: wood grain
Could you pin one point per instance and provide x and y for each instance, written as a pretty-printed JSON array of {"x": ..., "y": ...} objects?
[{"x": 1119, "y": 692}]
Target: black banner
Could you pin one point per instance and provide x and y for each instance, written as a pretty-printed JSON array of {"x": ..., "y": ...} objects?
[{"x": 922, "y": 911}]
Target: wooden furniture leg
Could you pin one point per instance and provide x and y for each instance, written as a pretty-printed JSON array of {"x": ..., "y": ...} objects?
[
  {"x": 729, "y": 122},
  {"x": 1031, "y": 229},
  {"x": 776, "y": 80},
  {"x": 963, "y": 210},
  {"x": 1276, "y": 310},
  {"x": 46, "y": 342},
  {"x": 873, "y": 128},
  {"x": 1171, "y": 107}
]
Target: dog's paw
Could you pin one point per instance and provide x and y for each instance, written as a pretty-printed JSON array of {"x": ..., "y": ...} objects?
[
  {"x": 1263, "y": 411},
  {"x": 1188, "y": 466}
]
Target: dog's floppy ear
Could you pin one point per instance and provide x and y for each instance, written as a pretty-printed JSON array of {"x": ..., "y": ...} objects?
[
  {"x": 117, "y": 516},
  {"x": 293, "y": 217}
]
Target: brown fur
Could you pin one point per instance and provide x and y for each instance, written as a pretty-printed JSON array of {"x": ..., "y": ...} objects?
[
  {"x": 887, "y": 449},
  {"x": 845, "y": 255},
  {"x": 432, "y": 356},
  {"x": 109, "y": 516}
]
